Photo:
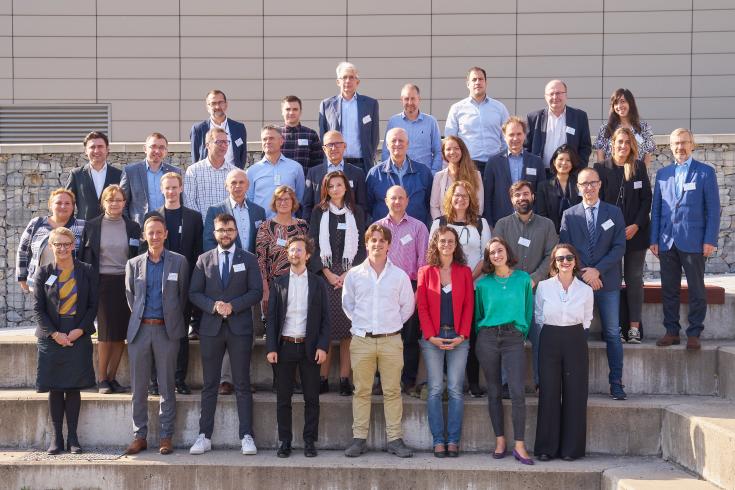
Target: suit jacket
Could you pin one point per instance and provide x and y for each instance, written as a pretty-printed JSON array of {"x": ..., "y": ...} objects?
[
  {"x": 257, "y": 216},
  {"x": 633, "y": 197},
  {"x": 191, "y": 234},
  {"x": 368, "y": 119},
  {"x": 174, "y": 293},
  {"x": 46, "y": 306},
  {"x": 607, "y": 254},
  {"x": 548, "y": 199},
  {"x": 93, "y": 233},
  {"x": 576, "y": 119},
  {"x": 81, "y": 184},
  {"x": 313, "y": 188},
  {"x": 417, "y": 183},
  {"x": 243, "y": 290},
  {"x": 497, "y": 180},
  {"x": 318, "y": 326},
  {"x": 428, "y": 299},
  {"x": 237, "y": 134},
  {"x": 692, "y": 220},
  {"x": 134, "y": 182}
]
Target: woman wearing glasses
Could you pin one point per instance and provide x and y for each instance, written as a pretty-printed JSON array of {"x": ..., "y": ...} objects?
[
  {"x": 458, "y": 166},
  {"x": 563, "y": 306},
  {"x": 559, "y": 193}
]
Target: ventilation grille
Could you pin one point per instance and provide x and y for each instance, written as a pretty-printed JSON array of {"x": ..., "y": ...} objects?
[{"x": 57, "y": 123}]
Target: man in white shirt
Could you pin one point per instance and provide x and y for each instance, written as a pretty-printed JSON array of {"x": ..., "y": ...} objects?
[{"x": 377, "y": 297}]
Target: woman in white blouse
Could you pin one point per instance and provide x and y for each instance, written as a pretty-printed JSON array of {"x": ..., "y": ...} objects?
[
  {"x": 564, "y": 308},
  {"x": 458, "y": 166}
]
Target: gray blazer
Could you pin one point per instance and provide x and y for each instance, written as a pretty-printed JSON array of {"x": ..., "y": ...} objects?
[
  {"x": 174, "y": 293},
  {"x": 243, "y": 290},
  {"x": 135, "y": 185}
]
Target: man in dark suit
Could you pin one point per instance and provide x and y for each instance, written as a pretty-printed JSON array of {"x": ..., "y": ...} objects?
[
  {"x": 225, "y": 285},
  {"x": 355, "y": 116},
  {"x": 88, "y": 182},
  {"x": 141, "y": 181},
  {"x": 298, "y": 336},
  {"x": 334, "y": 148},
  {"x": 556, "y": 124},
  {"x": 597, "y": 231},
  {"x": 237, "y": 150},
  {"x": 156, "y": 287},
  {"x": 508, "y": 167},
  {"x": 685, "y": 223}
]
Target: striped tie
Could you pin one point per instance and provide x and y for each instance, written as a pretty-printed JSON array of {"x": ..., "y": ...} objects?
[{"x": 591, "y": 229}]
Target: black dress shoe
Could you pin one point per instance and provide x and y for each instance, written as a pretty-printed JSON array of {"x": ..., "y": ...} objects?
[
  {"x": 153, "y": 390},
  {"x": 543, "y": 457},
  {"x": 284, "y": 450},
  {"x": 309, "y": 449},
  {"x": 323, "y": 386},
  {"x": 56, "y": 447},
  {"x": 118, "y": 388},
  {"x": 345, "y": 388},
  {"x": 183, "y": 388},
  {"x": 568, "y": 458}
]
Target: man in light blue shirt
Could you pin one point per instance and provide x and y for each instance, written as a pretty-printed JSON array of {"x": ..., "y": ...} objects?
[
  {"x": 423, "y": 130},
  {"x": 272, "y": 171}
]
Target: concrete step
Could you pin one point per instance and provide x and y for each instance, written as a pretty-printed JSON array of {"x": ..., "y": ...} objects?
[
  {"x": 726, "y": 366},
  {"x": 654, "y": 475}
]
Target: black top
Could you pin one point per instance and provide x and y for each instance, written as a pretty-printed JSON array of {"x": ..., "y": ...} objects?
[
  {"x": 174, "y": 227},
  {"x": 552, "y": 200},
  {"x": 446, "y": 313}
]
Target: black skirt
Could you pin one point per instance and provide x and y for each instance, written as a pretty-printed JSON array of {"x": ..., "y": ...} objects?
[
  {"x": 113, "y": 313},
  {"x": 65, "y": 368}
]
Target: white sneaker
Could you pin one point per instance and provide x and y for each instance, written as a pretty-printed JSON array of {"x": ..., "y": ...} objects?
[
  {"x": 248, "y": 445},
  {"x": 201, "y": 445}
]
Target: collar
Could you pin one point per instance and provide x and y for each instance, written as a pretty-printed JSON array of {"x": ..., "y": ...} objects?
[
  {"x": 163, "y": 256},
  {"x": 551, "y": 114},
  {"x": 392, "y": 166},
  {"x": 511, "y": 155},
  {"x": 234, "y": 204},
  {"x": 287, "y": 128},
  {"x": 686, "y": 163},
  {"x": 293, "y": 275},
  {"x": 345, "y": 101},
  {"x": 213, "y": 124},
  {"x": 341, "y": 164},
  {"x": 483, "y": 101},
  {"x": 518, "y": 217},
  {"x": 265, "y": 159},
  {"x": 148, "y": 167},
  {"x": 420, "y": 117},
  {"x": 103, "y": 169},
  {"x": 389, "y": 220},
  {"x": 231, "y": 249},
  {"x": 596, "y": 205},
  {"x": 209, "y": 162}
]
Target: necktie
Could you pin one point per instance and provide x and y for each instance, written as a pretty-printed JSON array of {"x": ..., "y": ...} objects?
[
  {"x": 226, "y": 268},
  {"x": 591, "y": 229}
]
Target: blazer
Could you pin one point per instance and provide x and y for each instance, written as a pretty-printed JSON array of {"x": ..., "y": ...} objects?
[
  {"x": 174, "y": 288},
  {"x": 243, "y": 290},
  {"x": 318, "y": 326},
  {"x": 91, "y": 240},
  {"x": 237, "y": 134},
  {"x": 607, "y": 254},
  {"x": 497, "y": 180},
  {"x": 134, "y": 182},
  {"x": 576, "y": 120},
  {"x": 191, "y": 234},
  {"x": 692, "y": 220},
  {"x": 46, "y": 306},
  {"x": 255, "y": 212},
  {"x": 633, "y": 197},
  {"x": 81, "y": 184},
  {"x": 416, "y": 181},
  {"x": 313, "y": 187},
  {"x": 315, "y": 262},
  {"x": 428, "y": 299},
  {"x": 548, "y": 199},
  {"x": 368, "y": 119}
]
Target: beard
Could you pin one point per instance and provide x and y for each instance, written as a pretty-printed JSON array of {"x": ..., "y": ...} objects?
[{"x": 524, "y": 207}]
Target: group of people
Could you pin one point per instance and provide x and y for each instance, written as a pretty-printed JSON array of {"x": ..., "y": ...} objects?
[{"x": 456, "y": 250}]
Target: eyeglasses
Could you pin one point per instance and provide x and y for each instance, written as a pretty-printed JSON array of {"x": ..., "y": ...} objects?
[
  {"x": 587, "y": 185},
  {"x": 555, "y": 94},
  {"x": 225, "y": 230},
  {"x": 116, "y": 201},
  {"x": 216, "y": 103},
  {"x": 284, "y": 199},
  {"x": 444, "y": 241},
  {"x": 220, "y": 142},
  {"x": 562, "y": 258},
  {"x": 62, "y": 245},
  {"x": 332, "y": 146},
  {"x": 461, "y": 197}
]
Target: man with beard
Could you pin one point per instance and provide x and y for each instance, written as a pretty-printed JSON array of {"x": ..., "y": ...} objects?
[{"x": 237, "y": 138}]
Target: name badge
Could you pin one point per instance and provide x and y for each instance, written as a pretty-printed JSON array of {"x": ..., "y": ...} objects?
[
  {"x": 258, "y": 222},
  {"x": 608, "y": 224},
  {"x": 238, "y": 142},
  {"x": 341, "y": 226},
  {"x": 406, "y": 239},
  {"x": 352, "y": 183},
  {"x": 366, "y": 119},
  {"x": 303, "y": 142},
  {"x": 638, "y": 184},
  {"x": 281, "y": 242},
  {"x": 570, "y": 130},
  {"x": 238, "y": 267},
  {"x": 51, "y": 280},
  {"x": 524, "y": 242},
  {"x": 180, "y": 230},
  {"x": 530, "y": 171},
  {"x": 134, "y": 242},
  {"x": 447, "y": 289},
  {"x": 277, "y": 179},
  {"x": 690, "y": 186},
  {"x": 173, "y": 276}
]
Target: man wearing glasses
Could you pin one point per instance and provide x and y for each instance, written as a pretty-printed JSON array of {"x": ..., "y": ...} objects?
[{"x": 237, "y": 151}]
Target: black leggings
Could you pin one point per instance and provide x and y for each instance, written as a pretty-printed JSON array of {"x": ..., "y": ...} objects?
[{"x": 59, "y": 402}]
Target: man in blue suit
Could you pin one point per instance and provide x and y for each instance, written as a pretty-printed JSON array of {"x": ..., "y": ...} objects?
[
  {"x": 597, "y": 230},
  {"x": 354, "y": 115},
  {"x": 237, "y": 150},
  {"x": 685, "y": 222}
]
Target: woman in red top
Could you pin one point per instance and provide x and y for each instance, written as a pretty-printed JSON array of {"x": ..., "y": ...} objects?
[{"x": 445, "y": 302}]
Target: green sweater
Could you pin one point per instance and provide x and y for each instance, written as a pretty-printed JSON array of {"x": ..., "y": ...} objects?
[{"x": 497, "y": 306}]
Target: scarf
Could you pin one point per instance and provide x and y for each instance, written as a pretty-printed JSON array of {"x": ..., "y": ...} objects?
[{"x": 351, "y": 238}]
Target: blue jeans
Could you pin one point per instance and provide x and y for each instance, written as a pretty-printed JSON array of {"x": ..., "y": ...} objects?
[
  {"x": 608, "y": 306},
  {"x": 456, "y": 361}
]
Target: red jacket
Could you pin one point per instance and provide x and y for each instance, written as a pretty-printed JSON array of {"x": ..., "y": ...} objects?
[{"x": 428, "y": 299}]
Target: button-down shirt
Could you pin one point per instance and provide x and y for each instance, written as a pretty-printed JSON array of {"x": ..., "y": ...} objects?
[
  {"x": 596, "y": 213},
  {"x": 377, "y": 304},
  {"x": 400, "y": 171},
  {"x": 554, "y": 306},
  {"x": 302, "y": 144},
  {"x": 479, "y": 126},
  {"x": 242, "y": 219},
  {"x": 154, "y": 288},
  {"x": 230, "y": 155},
  {"x": 424, "y": 138},
  {"x": 153, "y": 179},
  {"x": 408, "y": 246},
  {"x": 294, "y": 324},
  {"x": 516, "y": 166},
  {"x": 556, "y": 134},
  {"x": 221, "y": 257},
  {"x": 265, "y": 176},
  {"x": 205, "y": 185},
  {"x": 351, "y": 127},
  {"x": 531, "y": 242},
  {"x": 333, "y": 168},
  {"x": 98, "y": 178},
  {"x": 680, "y": 175}
]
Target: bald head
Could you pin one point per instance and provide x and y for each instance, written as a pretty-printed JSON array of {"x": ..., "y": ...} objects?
[
  {"x": 555, "y": 94},
  {"x": 397, "y": 200},
  {"x": 396, "y": 140}
]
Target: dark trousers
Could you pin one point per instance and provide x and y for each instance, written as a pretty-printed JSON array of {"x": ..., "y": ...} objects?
[
  {"x": 290, "y": 357},
  {"x": 473, "y": 366},
  {"x": 672, "y": 261},
  {"x": 411, "y": 350},
  {"x": 561, "y": 427},
  {"x": 213, "y": 350},
  {"x": 480, "y": 166},
  {"x": 633, "y": 262}
]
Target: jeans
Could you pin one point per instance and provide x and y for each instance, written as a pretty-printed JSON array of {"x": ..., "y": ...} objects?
[
  {"x": 608, "y": 306},
  {"x": 456, "y": 361}
]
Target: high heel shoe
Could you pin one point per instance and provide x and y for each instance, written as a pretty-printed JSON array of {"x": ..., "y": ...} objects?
[{"x": 522, "y": 460}]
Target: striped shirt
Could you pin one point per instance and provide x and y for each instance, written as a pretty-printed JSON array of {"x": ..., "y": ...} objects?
[
  {"x": 408, "y": 246},
  {"x": 204, "y": 185}
]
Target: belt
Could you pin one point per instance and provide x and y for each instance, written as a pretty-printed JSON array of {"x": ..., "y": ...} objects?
[
  {"x": 152, "y": 321},
  {"x": 293, "y": 340},
  {"x": 379, "y": 335},
  {"x": 445, "y": 326}
]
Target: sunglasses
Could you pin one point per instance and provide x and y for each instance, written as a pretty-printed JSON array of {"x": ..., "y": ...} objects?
[{"x": 562, "y": 258}]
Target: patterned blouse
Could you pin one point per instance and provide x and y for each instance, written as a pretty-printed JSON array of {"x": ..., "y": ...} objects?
[
  {"x": 67, "y": 285},
  {"x": 270, "y": 246},
  {"x": 644, "y": 139}
]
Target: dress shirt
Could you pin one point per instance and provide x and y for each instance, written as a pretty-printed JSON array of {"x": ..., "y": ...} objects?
[
  {"x": 205, "y": 185},
  {"x": 556, "y": 134},
  {"x": 242, "y": 219},
  {"x": 155, "y": 196},
  {"x": 516, "y": 166},
  {"x": 554, "y": 306},
  {"x": 680, "y": 175},
  {"x": 479, "y": 126},
  {"x": 154, "y": 288},
  {"x": 294, "y": 324},
  {"x": 265, "y": 176},
  {"x": 333, "y": 168},
  {"x": 98, "y": 178},
  {"x": 531, "y": 242},
  {"x": 302, "y": 144},
  {"x": 597, "y": 210},
  {"x": 221, "y": 257},
  {"x": 408, "y": 246},
  {"x": 424, "y": 138},
  {"x": 230, "y": 155},
  {"x": 400, "y": 171},
  {"x": 351, "y": 127},
  {"x": 377, "y": 304}
]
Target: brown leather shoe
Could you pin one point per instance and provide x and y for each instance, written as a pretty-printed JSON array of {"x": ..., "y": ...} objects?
[
  {"x": 139, "y": 444},
  {"x": 693, "y": 343},
  {"x": 226, "y": 388},
  {"x": 668, "y": 340},
  {"x": 165, "y": 446}
]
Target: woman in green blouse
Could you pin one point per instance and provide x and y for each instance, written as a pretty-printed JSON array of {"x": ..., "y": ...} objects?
[{"x": 503, "y": 313}]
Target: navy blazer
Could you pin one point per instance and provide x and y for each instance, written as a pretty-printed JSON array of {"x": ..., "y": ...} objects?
[
  {"x": 313, "y": 187},
  {"x": 580, "y": 140},
  {"x": 190, "y": 245},
  {"x": 497, "y": 181},
  {"x": 692, "y": 220},
  {"x": 549, "y": 196},
  {"x": 134, "y": 183},
  {"x": 81, "y": 184},
  {"x": 368, "y": 119},
  {"x": 237, "y": 134},
  {"x": 607, "y": 254},
  {"x": 255, "y": 212},
  {"x": 416, "y": 181}
]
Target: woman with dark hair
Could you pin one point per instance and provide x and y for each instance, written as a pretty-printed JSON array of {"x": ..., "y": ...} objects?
[
  {"x": 559, "y": 193},
  {"x": 625, "y": 184},
  {"x": 623, "y": 113},
  {"x": 503, "y": 315},
  {"x": 458, "y": 166},
  {"x": 563, "y": 306},
  {"x": 445, "y": 301},
  {"x": 337, "y": 224}
]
